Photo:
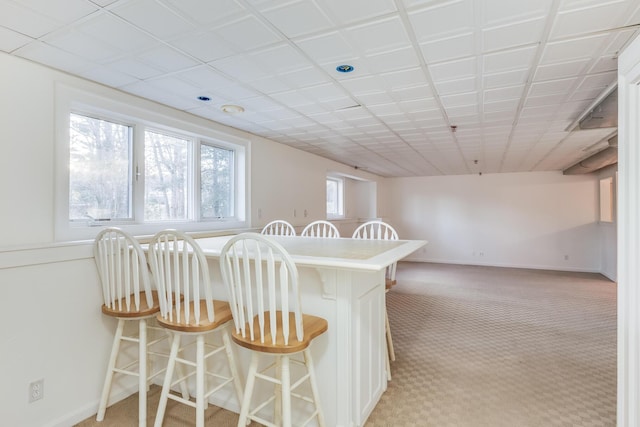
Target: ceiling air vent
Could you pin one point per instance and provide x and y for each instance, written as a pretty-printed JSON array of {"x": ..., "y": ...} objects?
[{"x": 603, "y": 115}]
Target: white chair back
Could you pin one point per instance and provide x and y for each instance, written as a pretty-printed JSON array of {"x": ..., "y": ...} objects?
[
  {"x": 122, "y": 267},
  {"x": 279, "y": 228},
  {"x": 321, "y": 228},
  {"x": 262, "y": 283},
  {"x": 378, "y": 230},
  {"x": 182, "y": 277}
]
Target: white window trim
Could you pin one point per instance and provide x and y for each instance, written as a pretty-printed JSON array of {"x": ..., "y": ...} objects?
[{"x": 157, "y": 117}]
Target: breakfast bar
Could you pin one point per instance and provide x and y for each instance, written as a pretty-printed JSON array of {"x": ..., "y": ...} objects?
[{"x": 343, "y": 281}]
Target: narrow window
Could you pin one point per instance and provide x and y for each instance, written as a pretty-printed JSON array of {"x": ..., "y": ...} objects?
[
  {"x": 99, "y": 169},
  {"x": 166, "y": 167},
  {"x": 335, "y": 197},
  {"x": 216, "y": 182}
]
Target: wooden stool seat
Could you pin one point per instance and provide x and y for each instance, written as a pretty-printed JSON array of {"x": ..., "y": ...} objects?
[
  {"x": 313, "y": 326},
  {"x": 119, "y": 307},
  {"x": 222, "y": 316}
]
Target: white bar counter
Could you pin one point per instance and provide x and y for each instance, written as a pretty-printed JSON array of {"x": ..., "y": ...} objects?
[{"x": 341, "y": 280}]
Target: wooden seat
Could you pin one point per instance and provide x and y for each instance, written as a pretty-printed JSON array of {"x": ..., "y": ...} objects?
[
  {"x": 320, "y": 228},
  {"x": 187, "y": 309},
  {"x": 379, "y": 230},
  {"x": 279, "y": 228},
  {"x": 128, "y": 296},
  {"x": 262, "y": 283}
]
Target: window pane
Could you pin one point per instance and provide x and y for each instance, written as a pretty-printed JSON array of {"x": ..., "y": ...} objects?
[
  {"x": 165, "y": 167},
  {"x": 99, "y": 169},
  {"x": 334, "y": 197},
  {"x": 216, "y": 182}
]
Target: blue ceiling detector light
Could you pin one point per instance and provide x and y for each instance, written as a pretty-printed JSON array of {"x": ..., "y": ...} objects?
[
  {"x": 346, "y": 68},
  {"x": 204, "y": 98}
]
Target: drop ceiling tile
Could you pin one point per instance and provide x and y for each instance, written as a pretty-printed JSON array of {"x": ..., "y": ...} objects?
[
  {"x": 116, "y": 32},
  {"x": 394, "y": 60},
  {"x": 378, "y": 36},
  {"x": 470, "y": 98},
  {"x": 537, "y": 101},
  {"x": 601, "y": 80},
  {"x": 509, "y": 78},
  {"x": 347, "y": 12},
  {"x": 561, "y": 70},
  {"x": 281, "y": 58},
  {"x": 240, "y": 67},
  {"x": 205, "y": 12},
  {"x": 405, "y": 78},
  {"x": 386, "y": 110},
  {"x": 572, "y": 49},
  {"x": 454, "y": 70},
  {"x": 512, "y": 35},
  {"x": 248, "y": 33},
  {"x": 205, "y": 46},
  {"x": 374, "y": 98},
  {"x": 154, "y": 18},
  {"x": 509, "y": 60},
  {"x": 456, "y": 113},
  {"x": 109, "y": 77},
  {"x": 24, "y": 20},
  {"x": 503, "y": 94},
  {"x": 269, "y": 85},
  {"x": 363, "y": 85},
  {"x": 597, "y": 17},
  {"x": 62, "y": 11},
  {"x": 422, "y": 104},
  {"x": 498, "y": 12},
  {"x": 412, "y": 93},
  {"x": 11, "y": 40},
  {"x": 306, "y": 77},
  {"x": 454, "y": 47},
  {"x": 561, "y": 86},
  {"x": 500, "y": 106},
  {"x": 54, "y": 57},
  {"x": 323, "y": 92},
  {"x": 167, "y": 59},
  {"x": 135, "y": 68},
  {"x": 204, "y": 77},
  {"x": 442, "y": 20},
  {"x": 452, "y": 87},
  {"x": 298, "y": 18},
  {"x": 603, "y": 64},
  {"x": 327, "y": 48}
]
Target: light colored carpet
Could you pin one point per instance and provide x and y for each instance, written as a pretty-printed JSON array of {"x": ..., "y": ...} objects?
[{"x": 480, "y": 346}]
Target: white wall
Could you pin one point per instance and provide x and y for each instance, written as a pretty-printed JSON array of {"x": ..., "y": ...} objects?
[
  {"x": 52, "y": 325},
  {"x": 518, "y": 220}
]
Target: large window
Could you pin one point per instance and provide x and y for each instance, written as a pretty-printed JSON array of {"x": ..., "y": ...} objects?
[
  {"x": 128, "y": 171},
  {"x": 335, "y": 197}
]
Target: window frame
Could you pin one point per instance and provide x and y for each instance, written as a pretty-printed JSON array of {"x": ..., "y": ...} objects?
[{"x": 144, "y": 115}]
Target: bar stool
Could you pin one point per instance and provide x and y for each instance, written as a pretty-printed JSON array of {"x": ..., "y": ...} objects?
[
  {"x": 187, "y": 309},
  {"x": 379, "y": 230},
  {"x": 128, "y": 296},
  {"x": 279, "y": 228},
  {"x": 321, "y": 228},
  {"x": 262, "y": 282}
]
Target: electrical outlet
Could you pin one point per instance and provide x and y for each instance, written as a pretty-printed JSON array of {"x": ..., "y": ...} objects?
[{"x": 36, "y": 390}]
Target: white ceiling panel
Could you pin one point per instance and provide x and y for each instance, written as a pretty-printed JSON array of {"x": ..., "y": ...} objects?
[{"x": 511, "y": 75}]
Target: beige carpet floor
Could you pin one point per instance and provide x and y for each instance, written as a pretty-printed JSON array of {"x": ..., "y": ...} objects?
[{"x": 481, "y": 346}]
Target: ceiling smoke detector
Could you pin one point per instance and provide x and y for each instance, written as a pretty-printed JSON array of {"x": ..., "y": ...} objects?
[
  {"x": 232, "y": 109},
  {"x": 453, "y": 128}
]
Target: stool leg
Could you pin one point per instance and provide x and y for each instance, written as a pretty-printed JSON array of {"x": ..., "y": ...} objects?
[
  {"x": 308, "y": 361},
  {"x": 184, "y": 389},
  {"x": 392, "y": 353},
  {"x": 237, "y": 383},
  {"x": 142, "y": 373},
  {"x": 286, "y": 391},
  {"x": 277, "y": 390},
  {"x": 200, "y": 380},
  {"x": 248, "y": 391},
  {"x": 106, "y": 388},
  {"x": 166, "y": 386}
]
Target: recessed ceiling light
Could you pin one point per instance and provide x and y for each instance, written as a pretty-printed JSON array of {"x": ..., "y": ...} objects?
[
  {"x": 344, "y": 68},
  {"x": 204, "y": 98},
  {"x": 232, "y": 109}
]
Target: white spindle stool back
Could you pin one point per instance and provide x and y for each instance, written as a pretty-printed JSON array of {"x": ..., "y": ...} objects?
[
  {"x": 321, "y": 228},
  {"x": 279, "y": 228}
]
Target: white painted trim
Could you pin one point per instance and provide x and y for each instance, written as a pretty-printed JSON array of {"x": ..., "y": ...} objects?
[
  {"x": 628, "y": 414},
  {"x": 504, "y": 265}
]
